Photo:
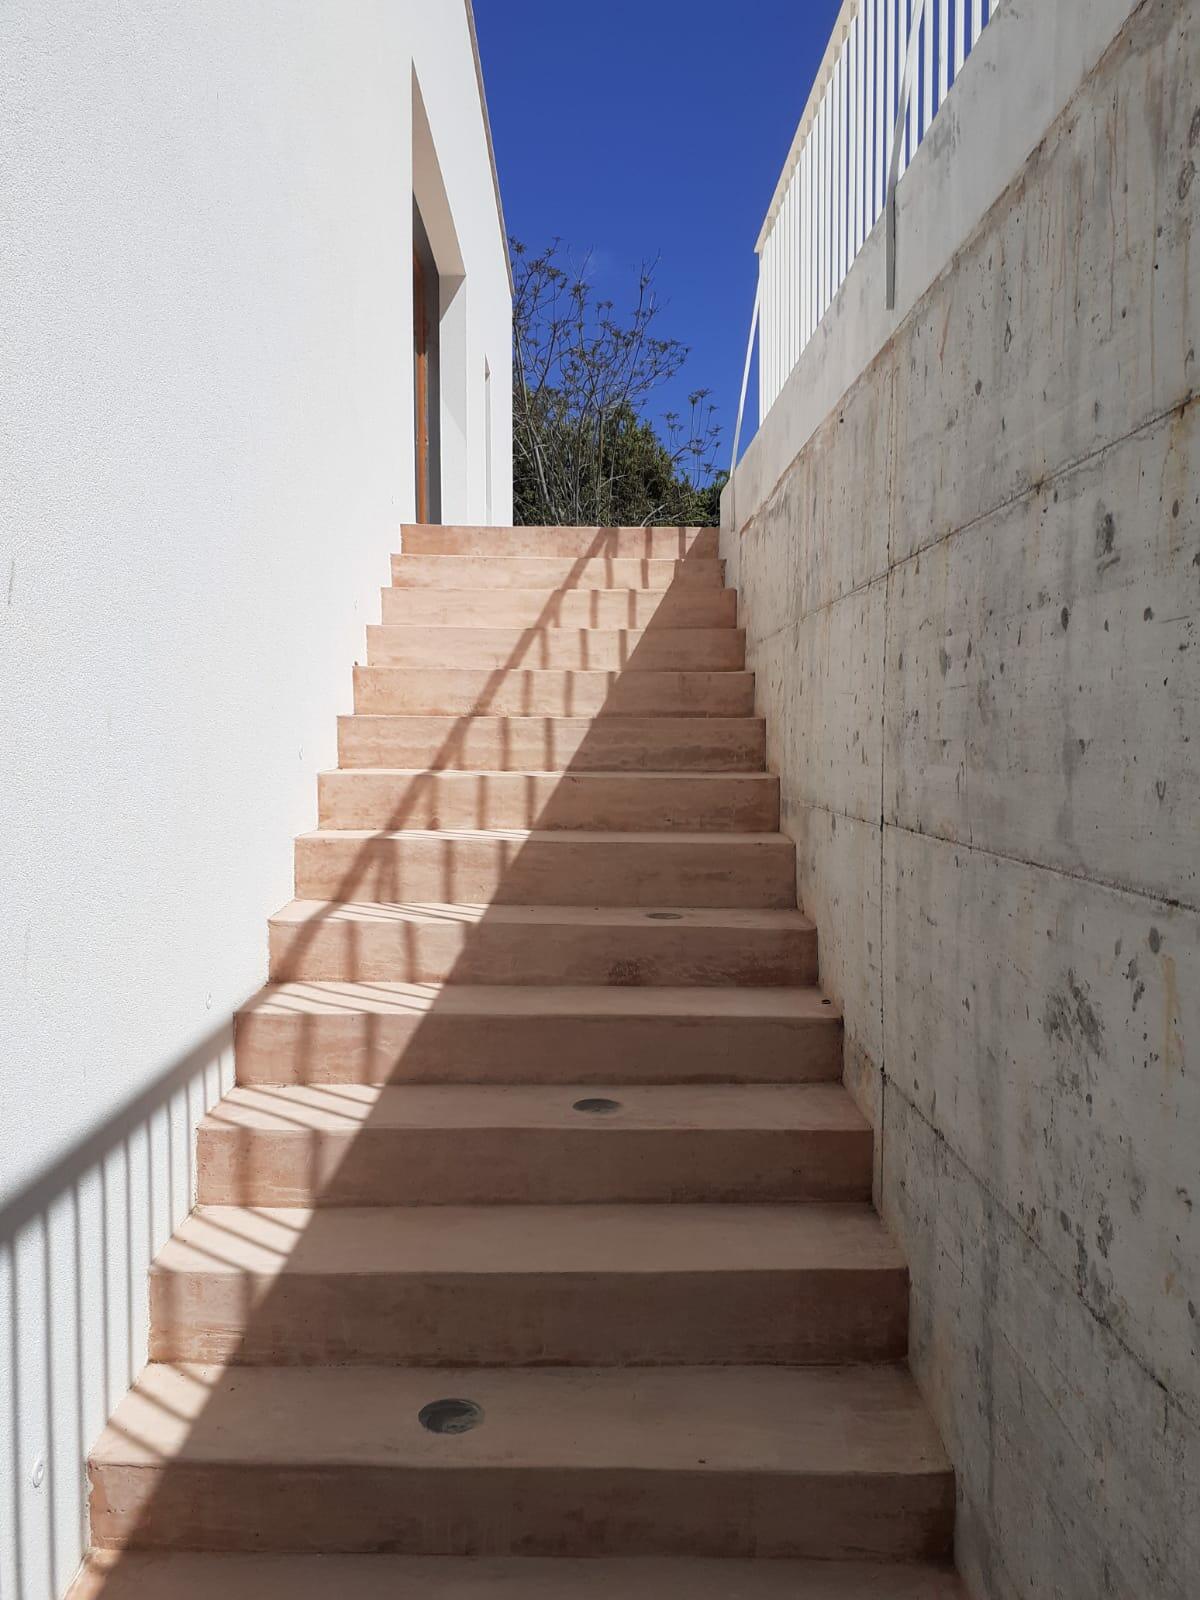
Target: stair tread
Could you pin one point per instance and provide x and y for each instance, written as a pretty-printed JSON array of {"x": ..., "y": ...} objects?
[
  {"x": 347, "y": 1108},
  {"x": 558, "y": 572},
  {"x": 615, "y": 722},
  {"x": 438, "y": 913},
  {"x": 467, "y": 774},
  {"x": 345, "y": 997},
  {"x": 566, "y": 837},
  {"x": 507, "y": 630},
  {"x": 605, "y": 1240},
  {"x": 609, "y": 674},
  {"x": 151, "y": 1575},
  {"x": 790, "y": 1421}
]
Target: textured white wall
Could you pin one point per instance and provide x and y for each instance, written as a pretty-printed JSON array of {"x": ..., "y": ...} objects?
[{"x": 205, "y": 218}]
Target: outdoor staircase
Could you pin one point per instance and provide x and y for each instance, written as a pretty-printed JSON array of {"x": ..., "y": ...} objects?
[{"x": 540, "y": 1112}]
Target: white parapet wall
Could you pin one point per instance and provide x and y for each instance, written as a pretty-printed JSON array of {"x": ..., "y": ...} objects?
[
  {"x": 206, "y": 453},
  {"x": 967, "y": 547}
]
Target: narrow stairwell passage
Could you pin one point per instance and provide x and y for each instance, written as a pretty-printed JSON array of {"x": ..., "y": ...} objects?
[{"x": 541, "y": 1110}]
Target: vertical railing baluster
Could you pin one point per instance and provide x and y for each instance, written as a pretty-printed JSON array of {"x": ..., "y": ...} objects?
[
  {"x": 901, "y": 57},
  {"x": 829, "y": 193},
  {"x": 976, "y": 21},
  {"x": 943, "y": 50},
  {"x": 794, "y": 269},
  {"x": 960, "y": 35},
  {"x": 868, "y": 117},
  {"x": 927, "y": 69},
  {"x": 835, "y": 207},
  {"x": 810, "y": 237},
  {"x": 843, "y": 165},
  {"x": 881, "y": 9},
  {"x": 865, "y": 101},
  {"x": 853, "y": 143},
  {"x": 912, "y": 132}
]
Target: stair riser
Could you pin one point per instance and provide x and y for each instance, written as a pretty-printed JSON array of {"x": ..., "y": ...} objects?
[
  {"x": 459, "y": 693},
  {"x": 422, "y": 868},
  {"x": 496, "y": 1319},
  {"x": 489, "y": 543},
  {"x": 739, "y": 803},
  {"x": 555, "y": 572},
  {"x": 184, "y": 1576},
  {"x": 498, "y": 952},
  {"x": 444, "y": 1510},
  {"x": 532, "y": 744},
  {"x": 685, "y": 606},
  {"x": 559, "y": 649},
  {"x": 515, "y": 1166},
  {"x": 415, "y": 1048}
]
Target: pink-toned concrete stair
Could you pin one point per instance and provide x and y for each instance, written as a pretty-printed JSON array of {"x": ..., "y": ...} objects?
[
  {"x": 496, "y": 1285},
  {"x": 155, "y": 1575},
  {"x": 567, "y": 867},
  {"x": 540, "y": 1109},
  {"x": 631, "y": 802},
  {"x": 513, "y": 1144},
  {"x": 553, "y": 573},
  {"x": 379, "y": 1033},
  {"x": 570, "y": 649},
  {"x": 672, "y": 544},
  {"x": 712, "y": 1461},
  {"x": 544, "y": 945},
  {"x": 685, "y": 606},
  {"x": 553, "y": 744}
]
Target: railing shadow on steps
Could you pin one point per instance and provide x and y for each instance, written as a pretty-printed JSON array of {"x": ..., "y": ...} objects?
[{"x": 140, "y": 1151}]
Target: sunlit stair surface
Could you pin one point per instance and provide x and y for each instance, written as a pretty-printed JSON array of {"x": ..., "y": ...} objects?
[{"x": 534, "y": 1253}]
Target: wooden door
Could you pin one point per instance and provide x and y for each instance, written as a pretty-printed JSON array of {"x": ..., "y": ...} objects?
[{"x": 421, "y": 385}]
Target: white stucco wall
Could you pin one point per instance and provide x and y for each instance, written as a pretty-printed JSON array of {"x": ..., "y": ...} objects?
[{"x": 205, "y": 455}]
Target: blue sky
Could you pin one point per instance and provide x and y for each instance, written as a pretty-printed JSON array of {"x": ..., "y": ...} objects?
[{"x": 659, "y": 127}]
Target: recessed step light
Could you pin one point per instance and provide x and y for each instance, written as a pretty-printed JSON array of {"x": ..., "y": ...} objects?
[
  {"x": 597, "y": 1106},
  {"x": 450, "y": 1416}
]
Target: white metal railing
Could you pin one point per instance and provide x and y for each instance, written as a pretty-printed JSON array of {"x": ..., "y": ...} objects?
[{"x": 888, "y": 67}]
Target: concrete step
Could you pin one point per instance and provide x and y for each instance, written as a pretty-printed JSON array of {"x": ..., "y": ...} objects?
[
  {"x": 511, "y": 1144},
  {"x": 458, "y": 691},
  {"x": 559, "y": 649},
  {"x": 687, "y": 605},
  {"x": 394, "y": 798},
  {"x": 380, "y": 1033},
  {"x": 673, "y": 544},
  {"x": 156, "y": 1575},
  {"x": 735, "y": 1461},
  {"x": 552, "y": 744},
  {"x": 561, "y": 867},
  {"x": 363, "y": 942},
  {"x": 553, "y": 572},
  {"x": 521, "y": 1285}
]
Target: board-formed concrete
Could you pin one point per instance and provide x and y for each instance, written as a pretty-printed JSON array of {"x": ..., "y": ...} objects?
[{"x": 971, "y": 603}]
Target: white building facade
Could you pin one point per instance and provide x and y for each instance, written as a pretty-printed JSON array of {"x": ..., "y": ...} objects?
[{"x": 222, "y": 399}]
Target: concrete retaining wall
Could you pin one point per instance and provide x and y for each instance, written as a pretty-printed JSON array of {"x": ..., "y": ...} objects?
[{"x": 971, "y": 596}]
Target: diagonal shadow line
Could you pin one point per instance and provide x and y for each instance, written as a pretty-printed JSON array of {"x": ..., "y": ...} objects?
[{"x": 168, "y": 1503}]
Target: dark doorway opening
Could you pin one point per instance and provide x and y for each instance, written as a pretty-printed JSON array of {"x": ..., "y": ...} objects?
[{"x": 426, "y": 375}]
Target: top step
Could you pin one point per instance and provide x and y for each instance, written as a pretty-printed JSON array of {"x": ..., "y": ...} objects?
[{"x": 646, "y": 544}]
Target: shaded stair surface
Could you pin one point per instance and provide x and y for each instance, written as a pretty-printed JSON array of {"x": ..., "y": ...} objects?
[
  {"x": 769, "y": 1461},
  {"x": 541, "y": 1109},
  {"x": 473, "y": 1144},
  {"x": 154, "y": 1575}
]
